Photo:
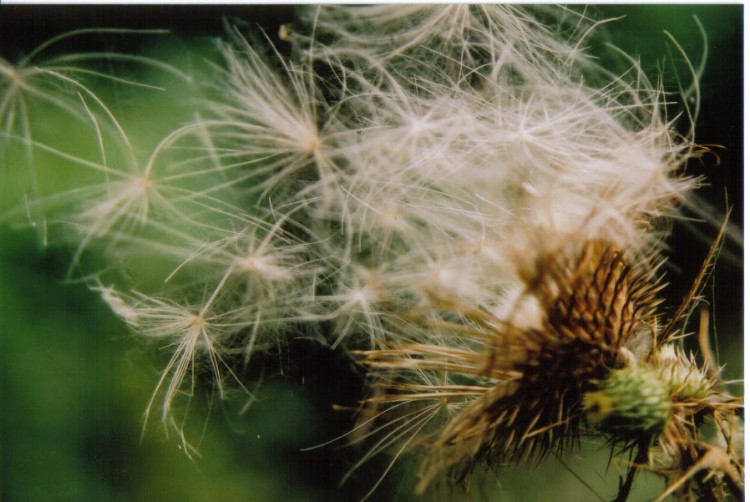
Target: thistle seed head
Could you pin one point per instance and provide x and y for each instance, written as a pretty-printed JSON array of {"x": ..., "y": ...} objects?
[{"x": 528, "y": 384}]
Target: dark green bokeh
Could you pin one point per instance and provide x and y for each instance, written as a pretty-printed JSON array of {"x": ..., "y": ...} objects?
[{"x": 74, "y": 383}]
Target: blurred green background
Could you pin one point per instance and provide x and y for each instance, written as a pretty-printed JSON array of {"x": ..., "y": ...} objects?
[{"x": 74, "y": 383}]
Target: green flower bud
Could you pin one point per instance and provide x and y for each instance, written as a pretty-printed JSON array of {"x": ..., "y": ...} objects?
[
  {"x": 630, "y": 402},
  {"x": 680, "y": 374}
]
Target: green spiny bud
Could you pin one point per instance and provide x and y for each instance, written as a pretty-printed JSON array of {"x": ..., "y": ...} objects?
[
  {"x": 629, "y": 402},
  {"x": 680, "y": 374}
]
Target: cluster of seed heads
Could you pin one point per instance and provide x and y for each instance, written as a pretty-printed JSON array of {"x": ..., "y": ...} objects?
[{"x": 457, "y": 194}]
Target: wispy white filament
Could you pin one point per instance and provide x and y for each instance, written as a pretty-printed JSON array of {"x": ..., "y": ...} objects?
[{"x": 401, "y": 154}]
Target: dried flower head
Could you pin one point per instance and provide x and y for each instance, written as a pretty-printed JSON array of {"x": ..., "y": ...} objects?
[
  {"x": 497, "y": 392},
  {"x": 531, "y": 374}
]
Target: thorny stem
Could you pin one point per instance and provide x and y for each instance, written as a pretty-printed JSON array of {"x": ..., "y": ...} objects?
[{"x": 641, "y": 458}]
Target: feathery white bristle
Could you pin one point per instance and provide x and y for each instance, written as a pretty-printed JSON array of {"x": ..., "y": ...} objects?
[{"x": 403, "y": 155}]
